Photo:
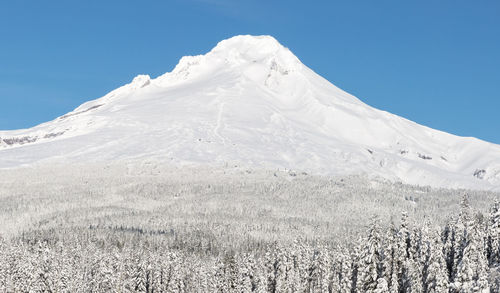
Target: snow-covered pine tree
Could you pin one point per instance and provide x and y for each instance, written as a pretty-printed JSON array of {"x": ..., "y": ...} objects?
[
  {"x": 301, "y": 260},
  {"x": 217, "y": 280},
  {"x": 400, "y": 277},
  {"x": 448, "y": 240},
  {"x": 14, "y": 272},
  {"x": 371, "y": 262},
  {"x": 425, "y": 253},
  {"x": 129, "y": 268},
  {"x": 404, "y": 235},
  {"x": 245, "y": 273},
  {"x": 436, "y": 278},
  {"x": 473, "y": 270},
  {"x": 270, "y": 268},
  {"x": 45, "y": 281},
  {"x": 323, "y": 268},
  {"x": 417, "y": 260},
  {"x": 203, "y": 278},
  {"x": 461, "y": 227},
  {"x": 105, "y": 274},
  {"x": 295, "y": 279},
  {"x": 156, "y": 273},
  {"x": 335, "y": 270},
  {"x": 182, "y": 272},
  {"x": 389, "y": 255},
  {"x": 341, "y": 271},
  {"x": 3, "y": 263},
  {"x": 260, "y": 281},
  {"x": 355, "y": 265},
  {"x": 493, "y": 242},
  {"x": 138, "y": 274},
  {"x": 231, "y": 272},
  {"x": 417, "y": 245},
  {"x": 284, "y": 267},
  {"x": 414, "y": 276},
  {"x": 345, "y": 270}
]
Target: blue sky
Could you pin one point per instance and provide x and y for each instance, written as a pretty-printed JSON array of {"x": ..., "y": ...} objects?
[{"x": 434, "y": 62}]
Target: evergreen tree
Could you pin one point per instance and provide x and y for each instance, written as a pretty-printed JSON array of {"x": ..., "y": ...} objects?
[
  {"x": 400, "y": 277},
  {"x": 460, "y": 230},
  {"x": 45, "y": 281},
  {"x": 436, "y": 279},
  {"x": 3, "y": 263},
  {"x": 271, "y": 266},
  {"x": 493, "y": 242},
  {"x": 218, "y": 282},
  {"x": 138, "y": 275},
  {"x": 472, "y": 273},
  {"x": 282, "y": 270},
  {"x": 260, "y": 277},
  {"x": 246, "y": 274},
  {"x": 370, "y": 263},
  {"x": 414, "y": 276},
  {"x": 344, "y": 271},
  {"x": 298, "y": 275},
  {"x": 323, "y": 266},
  {"x": 231, "y": 273}
]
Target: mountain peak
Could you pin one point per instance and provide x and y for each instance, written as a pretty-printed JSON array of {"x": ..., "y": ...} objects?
[
  {"x": 257, "y": 56},
  {"x": 248, "y": 43},
  {"x": 263, "y": 49}
]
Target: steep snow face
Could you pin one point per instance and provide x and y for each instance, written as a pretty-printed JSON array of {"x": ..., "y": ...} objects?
[{"x": 251, "y": 102}]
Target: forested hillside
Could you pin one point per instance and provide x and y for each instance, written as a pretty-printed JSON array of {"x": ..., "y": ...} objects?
[{"x": 150, "y": 228}]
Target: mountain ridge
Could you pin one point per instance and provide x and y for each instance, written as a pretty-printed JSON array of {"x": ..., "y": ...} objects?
[{"x": 250, "y": 100}]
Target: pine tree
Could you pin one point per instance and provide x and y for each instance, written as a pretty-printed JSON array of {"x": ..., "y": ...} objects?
[
  {"x": 493, "y": 242},
  {"x": 297, "y": 278},
  {"x": 465, "y": 210},
  {"x": 45, "y": 281},
  {"x": 260, "y": 277},
  {"x": 344, "y": 271},
  {"x": 459, "y": 235},
  {"x": 323, "y": 264},
  {"x": 230, "y": 272},
  {"x": 404, "y": 236},
  {"x": 417, "y": 260},
  {"x": 400, "y": 277},
  {"x": 473, "y": 270},
  {"x": 370, "y": 263},
  {"x": 270, "y": 269},
  {"x": 138, "y": 276},
  {"x": 302, "y": 266},
  {"x": 217, "y": 281},
  {"x": 202, "y": 278},
  {"x": 245, "y": 274},
  {"x": 414, "y": 277},
  {"x": 448, "y": 238},
  {"x": 355, "y": 267},
  {"x": 436, "y": 279},
  {"x": 283, "y": 267},
  {"x": 3, "y": 263}
]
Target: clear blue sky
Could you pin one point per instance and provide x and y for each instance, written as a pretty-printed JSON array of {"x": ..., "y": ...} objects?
[{"x": 435, "y": 62}]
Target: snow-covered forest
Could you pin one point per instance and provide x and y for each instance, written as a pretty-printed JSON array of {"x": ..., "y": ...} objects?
[{"x": 151, "y": 228}]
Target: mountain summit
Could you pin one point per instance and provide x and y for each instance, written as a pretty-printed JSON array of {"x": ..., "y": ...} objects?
[{"x": 251, "y": 102}]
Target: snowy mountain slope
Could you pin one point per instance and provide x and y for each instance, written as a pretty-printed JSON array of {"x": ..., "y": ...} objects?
[{"x": 251, "y": 102}]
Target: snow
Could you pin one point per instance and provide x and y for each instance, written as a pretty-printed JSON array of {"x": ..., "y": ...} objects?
[{"x": 250, "y": 101}]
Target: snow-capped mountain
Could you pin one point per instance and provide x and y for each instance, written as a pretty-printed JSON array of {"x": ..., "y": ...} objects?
[{"x": 251, "y": 102}]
